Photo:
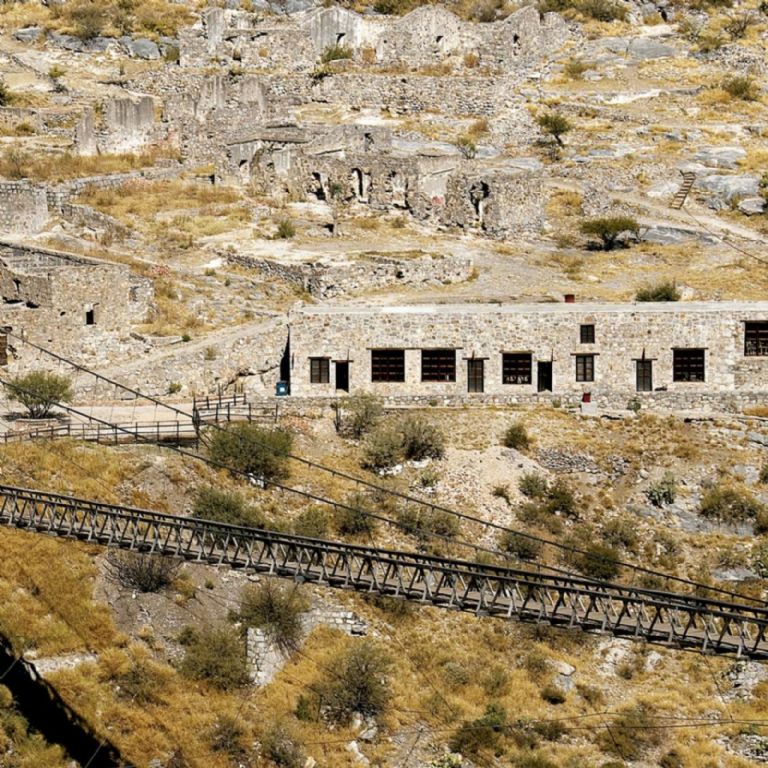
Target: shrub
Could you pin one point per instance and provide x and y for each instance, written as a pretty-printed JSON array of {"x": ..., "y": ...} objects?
[
  {"x": 335, "y": 53},
  {"x": 631, "y": 734},
  {"x": 599, "y": 561},
  {"x": 227, "y": 735},
  {"x": 533, "y": 485},
  {"x": 55, "y": 72},
  {"x": 421, "y": 439},
  {"x": 764, "y": 474},
  {"x": 215, "y": 656},
  {"x": 502, "y": 492},
  {"x": 663, "y": 291},
  {"x": 246, "y": 447},
  {"x": 282, "y": 747},
  {"x": 223, "y": 507},
  {"x": 427, "y": 523},
  {"x": 483, "y": 734},
  {"x": 312, "y": 522},
  {"x": 5, "y": 94},
  {"x": 738, "y": 24},
  {"x": 275, "y": 608},
  {"x": 383, "y": 449},
  {"x": 741, "y": 87},
  {"x": 521, "y": 547},
  {"x": 466, "y": 145},
  {"x": 760, "y": 559},
  {"x": 621, "y": 532},
  {"x": 352, "y": 520},
  {"x": 609, "y": 228},
  {"x": 146, "y": 573},
  {"x": 360, "y": 683},
  {"x": 555, "y": 125},
  {"x": 393, "y": 7},
  {"x": 285, "y": 229},
  {"x": 729, "y": 505},
  {"x": 575, "y": 68},
  {"x": 363, "y": 413},
  {"x": 603, "y": 10},
  {"x": 89, "y": 19},
  {"x": 553, "y": 694},
  {"x": 663, "y": 492},
  {"x": 39, "y": 392},
  {"x": 516, "y": 437},
  {"x": 560, "y": 498}
]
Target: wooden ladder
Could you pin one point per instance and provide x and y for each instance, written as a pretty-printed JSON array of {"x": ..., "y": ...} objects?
[{"x": 680, "y": 196}]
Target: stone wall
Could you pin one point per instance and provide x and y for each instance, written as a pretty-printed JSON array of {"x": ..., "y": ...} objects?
[
  {"x": 265, "y": 659},
  {"x": 330, "y": 280},
  {"x": 550, "y": 334},
  {"x": 23, "y": 207}
]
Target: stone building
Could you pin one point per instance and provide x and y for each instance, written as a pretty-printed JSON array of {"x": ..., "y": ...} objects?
[
  {"x": 71, "y": 303},
  {"x": 685, "y": 355}
]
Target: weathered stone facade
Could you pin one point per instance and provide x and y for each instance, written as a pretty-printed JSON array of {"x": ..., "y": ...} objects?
[
  {"x": 23, "y": 207},
  {"x": 548, "y": 352},
  {"x": 68, "y": 302}
]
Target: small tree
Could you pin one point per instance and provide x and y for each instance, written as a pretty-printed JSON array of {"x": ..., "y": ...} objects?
[
  {"x": 360, "y": 683},
  {"x": 246, "y": 447},
  {"x": 39, "y": 392},
  {"x": 360, "y": 414},
  {"x": 609, "y": 228},
  {"x": 383, "y": 449},
  {"x": 422, "y": 439},
  {"x": 276, "y": 609},
  {"x": 555, "y": 124}
]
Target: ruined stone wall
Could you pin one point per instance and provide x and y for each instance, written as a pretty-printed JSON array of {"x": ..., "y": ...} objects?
[
  {"x": 551, "y": 333},
  {"x": 331, "y": 280},
  {"x": 23, "y": 207}
]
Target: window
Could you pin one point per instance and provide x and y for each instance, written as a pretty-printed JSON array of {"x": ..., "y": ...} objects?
[
  {"x": 756, "y": 339},
  {"x": 687, "y": 365},
  {"x": 387, "y": 365},
  {"x": 587, "y": 334},
  {"x": 438, "y": 365},
  {"x": 319, "y": 370},
  {"x": 90, "y": 317},
  {"x": 585, "y": 367},
  {"x": 516, "y": 368}
]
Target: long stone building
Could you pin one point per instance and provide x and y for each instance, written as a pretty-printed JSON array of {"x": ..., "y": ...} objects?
[{"x": 677, "y": 354}]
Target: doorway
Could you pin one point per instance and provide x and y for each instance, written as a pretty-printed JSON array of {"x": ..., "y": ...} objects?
[
  {"x": 544, "y": 376},
  {"x": 644, "y": 375},
  {"x": 475, "y": 375},
  {"x": 342, "y": 376}
]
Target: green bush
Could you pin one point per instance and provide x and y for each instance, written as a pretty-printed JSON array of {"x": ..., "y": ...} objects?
[
  {"x": 5, "y": 94},
  {"x": 519, "y": 546},
  {"x": 621, "y": 532},
  {"x": 383, "y": 449},
  {"x": 482, "y": 735},
  {"x": 599, "y": 561},
  {"x": 426, "y": 523},
  {"x": 421, "y": 439},
  {"x": 609, "y": 228},
  {"x": 336, "y": 53},
  {"x": 89, "y": 19},
  {"x": 729, "y": 505},
  {"x": 603, "y": 10},
  {"x": 560, "y": 498},
  {"x": 224, "y": 507},
  {"x": 533, "y": 485},
  {"x": 663, "y": 291},
  {"x": 352, "y": 520},
  {"x": 285, "y": 229},
  {"x": 215, "y": 656},
  {"x": 362, "y": 413},
  {"x": 275, "y": 608},
  {"x": 516, "y": 436},
  {"x": 312, "y": 522},
  {"x": 39, "y": 391},
  {"x": 249, "y": 448},
  {"x": 360, "y": 682},
  {"x": 741, "y": 87},
  {"x": 555, "y": 125},
  {"x": 632, "y": 734},
  {"x": 466, "y": 146},
  {"x": 663, "y": 492}
]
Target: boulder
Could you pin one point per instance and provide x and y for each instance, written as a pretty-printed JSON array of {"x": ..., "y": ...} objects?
[
  {"x": 725, "y": 189},
  {"x": 720, "y": 157},
  {"x": 143, "y": 49},
  {"x": 28, "y": 34},
  {"x": 752, "y": 206},
  {"x": 68, "y": 42},
  {"x": 664, "y": 235}
]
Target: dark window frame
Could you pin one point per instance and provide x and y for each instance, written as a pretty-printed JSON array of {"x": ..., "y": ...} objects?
[
  {"x": 756, "y": 338},
  {"x": 689, "y": 365},
  {"x": 388, "y": 365},
  {"x": 585, "y": 368},
  {"x": 319, "y": 370},
  {"x": 587, "y": 333},
  {"x": 517, "y": 368},
  {"x": 438, "y": 365}
]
